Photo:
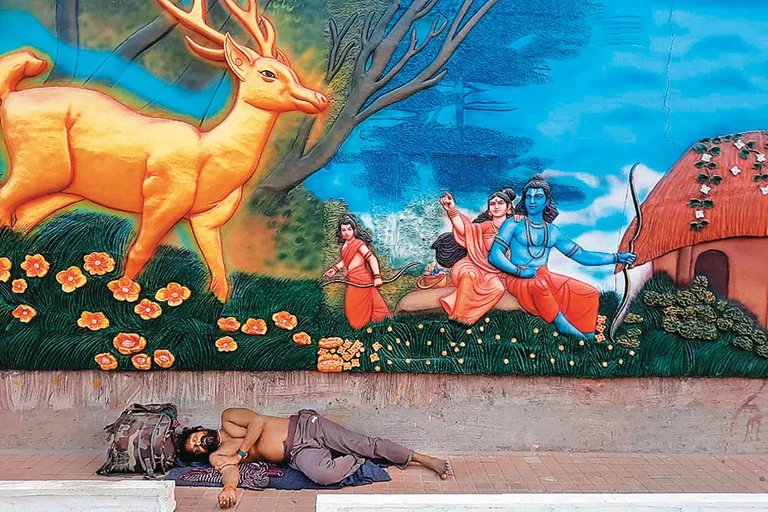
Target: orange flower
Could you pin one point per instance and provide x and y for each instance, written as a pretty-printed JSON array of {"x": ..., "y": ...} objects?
[
  {"x": 71, "y": 279},
  {"x": 164, "y": 359},
  {"x": 226, "y": 344},
  {"x": 5, "y": 269},
  {"x": 98, "y": 263},
  {"x": 329, "y": 363},
  {"x": 24, "y": 313},
  {"x": 228, "y": 324},
  {"x": 125, "y": 289},
  {"x": 129, "y": 343},
  {"x": 329, "y": 343},
  {"x": 36, "y": 266},
  {"x": 302, "y": 338},
  {"x": 174, "y": 294},
  {"x": 106, "y": 361},
  {"x": 93, "y": 321},
  {"x": 18, "y": 286},
  {"x": 141, "y": 362},
  {"x": 255, "y": 326},
  {"x": 147, "y": 309},
  {"x": 285, "y": 320}
]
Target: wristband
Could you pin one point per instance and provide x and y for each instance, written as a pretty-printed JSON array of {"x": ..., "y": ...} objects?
[
  {"x": 233, "y": 487},
  {"x": 242, "y": 454},
  {"x": 453, "y": 212}
]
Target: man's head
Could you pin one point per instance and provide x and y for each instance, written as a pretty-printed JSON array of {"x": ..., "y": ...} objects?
[
  {"x": 196, "y": 444},
  {"x": 348, "y": 230},
  {"x": 538, "y": 200}
]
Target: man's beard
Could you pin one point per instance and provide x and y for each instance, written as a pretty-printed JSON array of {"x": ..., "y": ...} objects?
[{"x": 210, "y": 441}]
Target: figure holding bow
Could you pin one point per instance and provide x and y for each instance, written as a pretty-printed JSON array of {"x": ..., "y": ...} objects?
[{"x": 363, "y": 302}]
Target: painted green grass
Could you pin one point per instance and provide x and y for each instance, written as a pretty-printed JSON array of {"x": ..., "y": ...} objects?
[{"x": 427, "y": 344}]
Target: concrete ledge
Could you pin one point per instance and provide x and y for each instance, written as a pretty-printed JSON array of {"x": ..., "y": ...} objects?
[
  {"x": 91, "y": 495},
  {"x": 444, "y": 413},
  {"x": 542, "y": 502}
]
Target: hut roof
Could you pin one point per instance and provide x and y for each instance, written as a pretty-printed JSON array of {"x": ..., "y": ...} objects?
[{"x": 733, "y": 205}]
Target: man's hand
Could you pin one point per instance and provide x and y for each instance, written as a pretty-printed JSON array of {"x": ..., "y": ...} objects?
[
  {"x": 227, "y": 498},
  {"x": 627, "y": 258},
  {"x": 330, "y": 273},
  {"x": 377, "y": 282},
  {"x": 528, "y": 272},
  {"x": 447, "y": 201},
  {"x": 226, "y": 460}
]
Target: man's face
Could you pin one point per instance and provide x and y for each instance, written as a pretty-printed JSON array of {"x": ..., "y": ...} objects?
[
  {"x": 202, "y": 442},
  {"x": 347, "y": 233},
  {"x": 535, "y": 201}
]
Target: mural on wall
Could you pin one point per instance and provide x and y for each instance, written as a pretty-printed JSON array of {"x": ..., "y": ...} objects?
[{"x": 340, "y": 185}]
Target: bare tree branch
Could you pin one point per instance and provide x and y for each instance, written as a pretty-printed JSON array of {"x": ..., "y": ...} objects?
[
  {"x": 373, "y": 38},
  {"x": 433, "y": 73},
  {"x": 377, "y": 49},
  {"x": 67, "y": 32},
  {"x": 336, "y": 56},
  {"x": 413, "y": 49}
]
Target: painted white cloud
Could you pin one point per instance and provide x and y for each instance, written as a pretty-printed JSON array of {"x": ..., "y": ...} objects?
[{"x": 615, "y": 198}]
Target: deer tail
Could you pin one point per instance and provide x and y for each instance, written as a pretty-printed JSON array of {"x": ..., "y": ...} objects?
[{"x": 16, "y": 66}]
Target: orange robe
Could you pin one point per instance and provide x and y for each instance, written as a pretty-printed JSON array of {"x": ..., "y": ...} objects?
[
  {"x": 548, "y": 294},
  {"x": 362, "y": 305},
  {"x": 479, "y": 285}
]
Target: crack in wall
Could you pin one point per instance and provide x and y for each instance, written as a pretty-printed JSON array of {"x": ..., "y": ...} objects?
[{"x": 665, "y": 101}]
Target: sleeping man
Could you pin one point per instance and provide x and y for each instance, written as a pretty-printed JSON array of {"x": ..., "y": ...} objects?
[{"x": 304, "y": 441}]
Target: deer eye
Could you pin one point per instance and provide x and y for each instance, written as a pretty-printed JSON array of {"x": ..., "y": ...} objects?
[{"x": 267, "y": 73}]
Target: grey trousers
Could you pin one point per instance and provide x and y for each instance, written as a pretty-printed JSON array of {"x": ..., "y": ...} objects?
[{"x": 314, "y": 439}]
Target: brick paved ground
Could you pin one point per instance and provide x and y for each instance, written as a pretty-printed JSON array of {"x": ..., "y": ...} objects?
[{"x": 473, "y": 473}]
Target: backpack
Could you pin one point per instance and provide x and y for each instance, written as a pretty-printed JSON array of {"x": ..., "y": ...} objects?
[{"x": 141, "y": 441}]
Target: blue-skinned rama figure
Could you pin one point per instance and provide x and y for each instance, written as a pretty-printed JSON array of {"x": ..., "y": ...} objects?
[{"x": 521, "y": 250}]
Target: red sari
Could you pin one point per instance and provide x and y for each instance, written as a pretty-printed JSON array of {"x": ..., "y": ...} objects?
[
  {"x": 362, "y": 305},
  {"x": 479, "y": 286},
  {"x": 548, "y": 294}
]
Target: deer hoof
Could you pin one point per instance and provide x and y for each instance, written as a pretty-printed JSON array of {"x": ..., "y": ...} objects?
[{"x": 220, "y": 289}]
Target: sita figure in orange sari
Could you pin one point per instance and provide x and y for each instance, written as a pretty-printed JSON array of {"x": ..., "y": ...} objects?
[
  {"x": 479, "y": 285},
  {"x": 363, "y": 303}
]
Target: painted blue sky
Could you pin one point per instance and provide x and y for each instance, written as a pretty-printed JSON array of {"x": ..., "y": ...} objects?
[
  {"x": 655, "y": 77},
  {"x": 693, "y": 69}
]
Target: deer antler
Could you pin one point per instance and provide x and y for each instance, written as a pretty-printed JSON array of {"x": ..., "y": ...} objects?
[
  {"x": 194, "y": 20},
  {"x": 250, "y": 19}
]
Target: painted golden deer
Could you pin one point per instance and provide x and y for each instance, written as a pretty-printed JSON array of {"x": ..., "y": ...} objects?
[{"x": 69, "y": 144}]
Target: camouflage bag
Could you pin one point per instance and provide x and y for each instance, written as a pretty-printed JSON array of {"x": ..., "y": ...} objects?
[{"x": 141, "y": 441}]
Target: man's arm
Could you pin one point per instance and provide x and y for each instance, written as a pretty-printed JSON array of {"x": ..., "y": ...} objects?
[
  {"x": 573, "y": 251},
  {"x": 498, "y": 255},
  {"x": 230, "y": 477},
  {"x": 373, "y": 262},
  {"x": 244, "y": 419}
]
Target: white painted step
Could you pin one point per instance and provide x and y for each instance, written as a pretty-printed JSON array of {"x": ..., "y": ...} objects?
[
  {"x": 87, "y": 495},
  {"x": 542, "y": 502}
]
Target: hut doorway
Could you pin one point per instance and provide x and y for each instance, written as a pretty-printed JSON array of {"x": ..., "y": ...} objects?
[{"x": 714, "y": 265}]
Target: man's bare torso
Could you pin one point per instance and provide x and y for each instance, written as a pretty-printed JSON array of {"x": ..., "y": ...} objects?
[{"x": 269, "y": 447}]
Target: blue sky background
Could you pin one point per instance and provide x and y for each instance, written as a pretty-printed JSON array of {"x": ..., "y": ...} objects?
[{"x": 654, "y": 77}]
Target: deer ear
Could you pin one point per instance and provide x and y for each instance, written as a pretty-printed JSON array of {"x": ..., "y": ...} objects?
[
  {"x": 281, "y": 57},
  {"x": 237, "y": 57}
]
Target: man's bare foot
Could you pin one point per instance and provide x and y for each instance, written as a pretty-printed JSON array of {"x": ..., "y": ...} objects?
[{"x": 439, "y": 466}]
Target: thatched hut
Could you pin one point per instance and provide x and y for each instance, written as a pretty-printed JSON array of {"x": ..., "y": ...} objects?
[{"x": 709, "y": 215}]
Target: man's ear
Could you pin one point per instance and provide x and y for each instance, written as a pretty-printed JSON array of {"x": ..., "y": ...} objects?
[{"x": 237, "y": 57}]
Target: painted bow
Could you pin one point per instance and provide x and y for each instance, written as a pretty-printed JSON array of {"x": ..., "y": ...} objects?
[
  {"x": 385, "y": 281},
  {"x": 621, "y": 312}
]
